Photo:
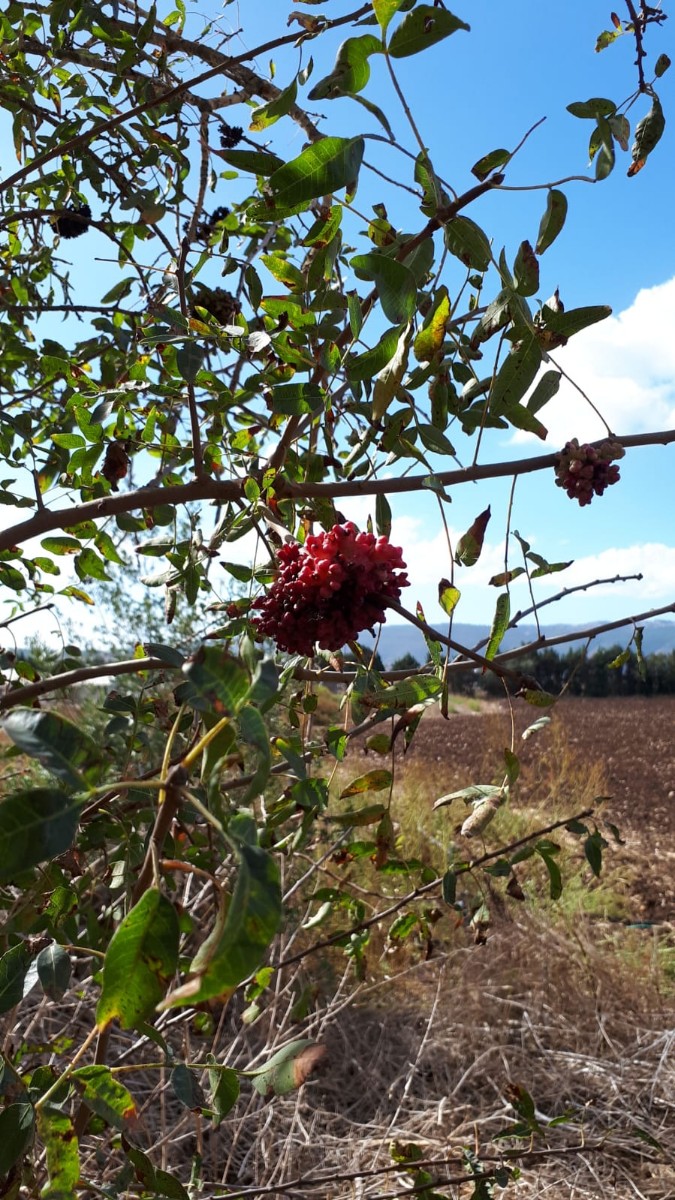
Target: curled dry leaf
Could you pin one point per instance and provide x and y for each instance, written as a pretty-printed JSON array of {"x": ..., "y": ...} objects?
[{"x": 305, "y": 1063}]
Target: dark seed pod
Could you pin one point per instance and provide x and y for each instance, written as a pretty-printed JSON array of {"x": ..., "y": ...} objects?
[
  {"x": 219, "y": 303},
  {"x": 205, "y": 228},
  {"x": 115, "y": 464},
  {"x": 74, "y": 221},
  {"x": 230, "y": 135}
]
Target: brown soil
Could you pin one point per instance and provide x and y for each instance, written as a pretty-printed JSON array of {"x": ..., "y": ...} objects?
[{"x": 626, "y": 747}]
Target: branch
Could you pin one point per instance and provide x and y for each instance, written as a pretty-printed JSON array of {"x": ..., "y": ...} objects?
[
  {"x": 478, "y": 660},
  {"x": 213, "y": 489},
  {"x": 416, "y": 483},
  {"x": 543, "y": 642},
  {"x": 425, "y": 888},
  {"x": 66, "y": 679}
]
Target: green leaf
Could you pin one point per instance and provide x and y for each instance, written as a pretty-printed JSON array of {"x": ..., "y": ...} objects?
[
  {"x": 593, "y": 847},
  {"x": 516, "y": 375},
  {"x": 189, "y": 360},
  {"x": 431, "y": 336},
  {"x": 61, "y": 545},
  {"x": 35, "y": 826},
  {"x": 552, "y": 220},
  {"x": 395, "y": 283},
  {"x": 294, "y": 399},
  {"x": 54, "y": 970},
  {"x": 475, "y": 793},
  {"x": 547, "y": 387},
  {"x": 372, "y": 781},
  {"x": 367, "y": 365},
  {"x": 405, "y": 693},
  {"x": 371, "y": 814},
  {"x": 224, "y": 1086},
  {"x": 57, "y": 1134},
  {"x": 569, "y": 323},
  {"x": 620, "y": 660},
  {"x": 389, "y": 379},
  {"x": 402, "y": 927},
  {"x": 88, "y": 565},
  {"x": 423, "y": 27},
  {"x": 59, "y": 745},
  {"x": 448, "y": 596},
  {"x": 648, "y": 132},
  {"x": 512, "y": 763},
  {"x": 466, "y": 240},
  {"x": 505, "y": 577},
  {"x": 526, "y": 270},
  {"x": 13, "y": 967},
  {"x": 523, "y": 418},
  {"x": 254, "y": 732},
  {"x": 153, "y": 1179},
  {"x": 351, "y": 71},
  {"x": 254, "y": 161},
  {"x": 500, "y": 623},
  {"x": 385, "y": 10},
  {"x": 12, "y": 578},
  {"x": 237, "y": 944},
  {"x": 489, "y": 163},
  {"x": 546, "y": 568},
  {"x": 637, "y": 641},
  {"x": 140, "y": 961},
  {"x": 186, "y": 1087},
  {"x": 538, "y": 698},
  {"x": 119, "y": 291},
  {"x": 288, "y": 1068},
  {"x": 433, "y": 440},
  {"x": 606, "y": 38},
  {"x": 17, "y": 1130},
  {"x": 449, "y": 887},
  {"x": 591, "y": 109},
  {"x": 661, "y": 65},
  {"x": 322, "y": 168},
  {"x": 105, "y": 1096},
  {"x": 470, "y": 544},
  {"x": 215, "y": 681},
  {"x": 267, "y": 114},
  {"x": 382, "y": 516},
  {"x": 555, "y": 877}
]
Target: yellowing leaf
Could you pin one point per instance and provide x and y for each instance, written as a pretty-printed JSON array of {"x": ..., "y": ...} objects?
[{"x": 372, "y": 781}]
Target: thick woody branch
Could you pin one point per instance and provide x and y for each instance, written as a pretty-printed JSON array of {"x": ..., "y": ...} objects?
[
  {"x": 212, "y": 489},
  {"x": 66, "y": 679}
]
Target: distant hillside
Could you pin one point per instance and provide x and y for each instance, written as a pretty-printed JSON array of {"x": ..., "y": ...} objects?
[{"x": 397, "y": 640}]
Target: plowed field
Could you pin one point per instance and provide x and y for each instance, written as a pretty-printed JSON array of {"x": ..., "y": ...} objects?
[{"x": 626, "y": 746}]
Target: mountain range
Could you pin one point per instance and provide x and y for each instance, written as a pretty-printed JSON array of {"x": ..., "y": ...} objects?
[{"x": 396, "y": 640}]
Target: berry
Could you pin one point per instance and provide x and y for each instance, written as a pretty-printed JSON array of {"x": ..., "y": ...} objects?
[
  {"x": 74, "y": 221},
  {"x": 585, "y": 471},
  {"x": 230, "y": 135},
  {"x": 330, "y": 590}
]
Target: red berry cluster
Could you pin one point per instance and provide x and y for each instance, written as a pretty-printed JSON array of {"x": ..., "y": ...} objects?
[
  {"x": 585, "y": 471},
  {"x": 330, "y": 589}
]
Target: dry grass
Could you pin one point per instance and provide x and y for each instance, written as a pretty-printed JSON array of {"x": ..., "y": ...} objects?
[
  {"x": 425, "y": 1056},
  {"x": 576, "y": 1009}
]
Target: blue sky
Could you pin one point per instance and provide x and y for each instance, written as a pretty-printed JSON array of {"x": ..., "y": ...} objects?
[
  {"x": 483, "y": 90},
  {"x": 471, "y": 94}
]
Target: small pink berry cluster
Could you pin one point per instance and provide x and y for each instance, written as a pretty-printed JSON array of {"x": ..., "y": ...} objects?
[
  {"x": 330, "y": 589},
  {"x": 585, "y": 471}
]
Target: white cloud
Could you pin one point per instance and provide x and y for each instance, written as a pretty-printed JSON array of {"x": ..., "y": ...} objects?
[{"x": 626, "y": 365}]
